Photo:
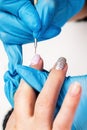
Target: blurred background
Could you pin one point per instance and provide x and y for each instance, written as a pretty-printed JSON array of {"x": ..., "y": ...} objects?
[{"x": 71, "y": 43}]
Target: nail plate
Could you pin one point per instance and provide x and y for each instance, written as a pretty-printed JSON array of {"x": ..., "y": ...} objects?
[
  {"x": 35, "y": 60},
  {"x": 60, "y": 64}
]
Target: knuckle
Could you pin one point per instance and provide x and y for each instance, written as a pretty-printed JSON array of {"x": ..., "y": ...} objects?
[
  {"x": 44, "y": 104},
  {"x": 42, "y": 108}
]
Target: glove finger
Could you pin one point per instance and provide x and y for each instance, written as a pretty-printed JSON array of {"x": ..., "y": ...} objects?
[
  {"x": 14, "y": 40},
  {"x": 77, "y": 5},
  {"x": 23, "y": 9},
  {"x": 11, "y": 6},
  {"x": 46, "y": 11},
  {"x": 13, "y": 30},
  {"x": 51, "y": 32},
  {"x": 30, "y": 16}
]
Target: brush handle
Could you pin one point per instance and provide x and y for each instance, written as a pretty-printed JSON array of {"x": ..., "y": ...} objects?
[{"x": 35, "y": 2}]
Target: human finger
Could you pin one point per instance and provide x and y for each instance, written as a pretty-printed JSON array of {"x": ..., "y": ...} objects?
[
  {"x": 64, "y": 119},
  {"x": 46, "y": 100},
  {"x": 35, "y": 64},
  {"x": 11, "y": 123},
  {"x": 25, "y": 96}
]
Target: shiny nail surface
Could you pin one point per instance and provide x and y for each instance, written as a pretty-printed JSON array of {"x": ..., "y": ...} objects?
[
  {"x": 35, "y": 60},
  {"x": 60, "y": 64}
]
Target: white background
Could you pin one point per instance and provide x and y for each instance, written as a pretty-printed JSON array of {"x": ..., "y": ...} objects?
[{"x": 71, "y": 43}]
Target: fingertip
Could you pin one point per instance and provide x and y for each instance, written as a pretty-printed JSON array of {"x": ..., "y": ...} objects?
[
  {"x": 75, "y": 89},
  {"x": 61, "y": 64},
  {"x": 37, "y": 62},
  {"x": 30, "y": 16},
  {"x": 74, "y": 95},
  {"x": 69, "y": 106}
]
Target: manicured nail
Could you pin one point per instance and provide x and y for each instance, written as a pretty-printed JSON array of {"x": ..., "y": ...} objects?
[
  {"x": 60, "y": 64},
  {"x": 35, "y": 60},
  {"x": 75, "y": 89}
]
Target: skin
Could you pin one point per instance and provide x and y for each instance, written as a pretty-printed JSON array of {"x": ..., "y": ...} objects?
[{"x": 36, "y": 113}]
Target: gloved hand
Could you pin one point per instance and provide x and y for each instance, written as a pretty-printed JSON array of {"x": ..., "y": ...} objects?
[
  {"x": 55, "y": 13},
  {"x": 36, "y": 79},
  {"x": 20, "y": 22}
]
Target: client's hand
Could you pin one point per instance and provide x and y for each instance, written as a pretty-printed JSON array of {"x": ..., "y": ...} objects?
[{"x": 36, "y": 112}]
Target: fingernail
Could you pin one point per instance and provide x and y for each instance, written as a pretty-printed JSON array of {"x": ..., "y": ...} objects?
[
  {"x": 35, "y": 60},
  {"x": 75, "y": 89},
  {"x": 60, "y": 64}
]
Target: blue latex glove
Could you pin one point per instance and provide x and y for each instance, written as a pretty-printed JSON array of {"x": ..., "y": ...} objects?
[
  {"x": 20, "y": 22},
  {"x": 55, "y": 13},
  {"x": 23, "y": 10},
  {"x": 36, "y": 80}
]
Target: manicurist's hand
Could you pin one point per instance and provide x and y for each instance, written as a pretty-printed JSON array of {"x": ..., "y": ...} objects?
[
  {"x": 22, "y": 21},
  {"x": 55, "y": 13},
  {"x": 36, "y": 112},
  {"x": 18, "y": 20}
]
